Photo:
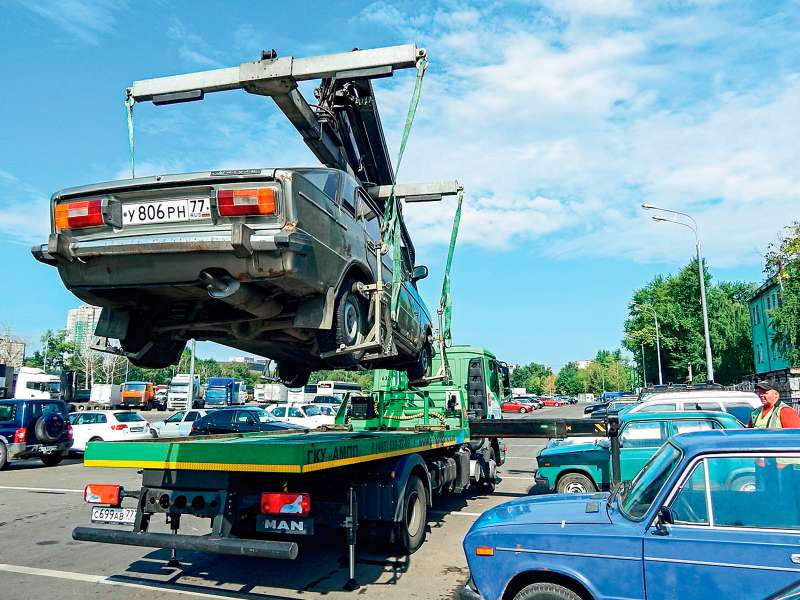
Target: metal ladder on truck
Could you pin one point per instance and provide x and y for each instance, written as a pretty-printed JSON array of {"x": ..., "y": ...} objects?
[{"x": 343, "y": 129}]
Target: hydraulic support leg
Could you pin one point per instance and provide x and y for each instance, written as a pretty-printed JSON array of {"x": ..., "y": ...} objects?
[{"x": 351, "y": 526}]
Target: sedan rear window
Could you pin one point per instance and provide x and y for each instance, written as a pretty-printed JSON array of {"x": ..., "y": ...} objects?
[
  {"x": 327, "y": 181},
  {"x": 128, "y": 417}
]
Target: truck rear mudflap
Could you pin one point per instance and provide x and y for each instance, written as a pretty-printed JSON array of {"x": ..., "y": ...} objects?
[{"x": 210, "y": 544}]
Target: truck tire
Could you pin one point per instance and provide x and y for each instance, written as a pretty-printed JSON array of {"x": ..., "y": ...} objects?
[
  {"x": 575, "y": 483},
  {"x": 410, "y": 531},
  {"x": 3, "y": 455},
  {"x": 349, "y": 324},
  {"x": 50, "y": 427},
  {"x": 52, "y": 459},
  {"x": 546, "y": 591},
  {"x": 293, "y": 375}
]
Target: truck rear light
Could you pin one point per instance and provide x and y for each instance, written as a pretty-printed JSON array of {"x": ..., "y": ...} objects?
[
  {"x": 103, "y": 493},
  {"x": 236, "y": 203},
  {"x": 276, "y": 503},
  {"x": 119, "y": 427},
  {"x": 20, "y": 435},
  {"x": 484, "y": 551},
  {"x": 80, "y": 214}
]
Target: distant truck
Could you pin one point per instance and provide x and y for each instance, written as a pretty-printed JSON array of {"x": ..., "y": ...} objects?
[
  {"x": 223, "y": 391},
  {"x": 105, "y": 395},
  {"x": 270, "y": 393},
  {"x": 36, "y": 384},
  {"x": 138, "y": 394},
  {"x": 178, "y": 394}
]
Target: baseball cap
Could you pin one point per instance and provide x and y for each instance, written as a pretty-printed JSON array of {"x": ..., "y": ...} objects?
[{"x": 765, "y": 385}]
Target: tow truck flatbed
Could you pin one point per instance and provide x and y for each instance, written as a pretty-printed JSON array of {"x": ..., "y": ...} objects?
[{"x": 301, "y": 452}]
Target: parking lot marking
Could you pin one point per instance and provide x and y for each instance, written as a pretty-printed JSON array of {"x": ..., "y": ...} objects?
[
  {"x": 462, "y": 513},
  {"x": 103, "y": 580},
  {"x": 38, "y": 489}
]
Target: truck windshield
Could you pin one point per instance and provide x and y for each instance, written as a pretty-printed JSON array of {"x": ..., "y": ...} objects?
[
  {"x": 134, "y": 387},
  {"x": 179, "y": 387},
  {"x": 216, "y": 395},
  {"x": 636, "y": 501}
]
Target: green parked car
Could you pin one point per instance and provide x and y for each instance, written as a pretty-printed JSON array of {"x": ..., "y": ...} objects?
[{"x": 577, "y": 468}]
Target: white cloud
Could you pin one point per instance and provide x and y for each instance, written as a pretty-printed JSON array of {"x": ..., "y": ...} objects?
[
  {"x": 193, "y": 48},
  {"x": 88, "y": 20},
  {"x": 25, "y": 211}
]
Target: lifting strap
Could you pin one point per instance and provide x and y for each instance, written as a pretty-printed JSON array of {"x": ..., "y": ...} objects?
[
  {"x": 390, "y": 236},
  {"x": 129, "y": 101},
  {"x": 445, "y": 301}
]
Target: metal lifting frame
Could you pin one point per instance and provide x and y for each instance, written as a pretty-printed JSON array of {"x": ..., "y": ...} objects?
[{"x": 344, "y": 132}]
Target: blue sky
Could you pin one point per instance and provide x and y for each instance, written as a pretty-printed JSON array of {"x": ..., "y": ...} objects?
[{"x": 560, "y": 117}]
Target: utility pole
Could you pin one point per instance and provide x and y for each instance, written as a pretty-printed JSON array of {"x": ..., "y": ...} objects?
[
  {"x": 691, "y": 377},
  {"x": 190, "y": 397},
  {"x": 658, "y": 338},
  {"x": 703, "y": 305},
  {"x": 644, "y": 372}
]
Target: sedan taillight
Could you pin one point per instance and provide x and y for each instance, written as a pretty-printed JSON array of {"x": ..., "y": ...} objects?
[
  {"x": 236, "y": 203},
  {"x": 80, "y": 214}
]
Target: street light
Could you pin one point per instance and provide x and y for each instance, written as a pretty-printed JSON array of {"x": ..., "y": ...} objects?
[
  {"x": 693, "y": 227},
  {"x": 658, "y": 338}
]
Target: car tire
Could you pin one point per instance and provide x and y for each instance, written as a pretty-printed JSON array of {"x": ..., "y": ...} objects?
[
  {"x": 3, "y": 455},
  {"x": 546, "y": 591},
  {"x": 410, "y": 531},
  {"x": 743, "y": 483},
  {"x": 52, "y": 459},
  {"x": 293, "y": 375},
  {"x": 421, "y": 368},
  {"x": 522, "y": 410},
  {"x": 575, "y": 483},
  {"x": 50, "y": 427}
]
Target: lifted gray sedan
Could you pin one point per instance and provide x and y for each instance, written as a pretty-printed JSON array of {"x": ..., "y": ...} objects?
[{"x": 277, "y": 262}]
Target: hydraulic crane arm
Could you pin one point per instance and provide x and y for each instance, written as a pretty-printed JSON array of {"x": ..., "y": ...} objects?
[{"x": 344, "y": 131}]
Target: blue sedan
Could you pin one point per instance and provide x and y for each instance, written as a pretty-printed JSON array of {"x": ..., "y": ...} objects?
[{"x": 681, "y": 529}]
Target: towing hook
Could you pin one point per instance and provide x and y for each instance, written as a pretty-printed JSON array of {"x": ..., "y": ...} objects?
[{"x": 219, "y": 287}]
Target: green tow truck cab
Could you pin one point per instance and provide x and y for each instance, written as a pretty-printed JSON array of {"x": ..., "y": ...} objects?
[
  {"x": 584, "y": 467},
  {"x": 377, "y": 469}
]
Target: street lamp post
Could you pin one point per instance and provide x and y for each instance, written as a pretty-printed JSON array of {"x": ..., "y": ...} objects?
[
  {"x": 658, "y": 339},
  {"x": 693, "y": 227}
]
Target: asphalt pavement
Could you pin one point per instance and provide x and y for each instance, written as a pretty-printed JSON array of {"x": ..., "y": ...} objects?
[{"x": 39, "y": 506}]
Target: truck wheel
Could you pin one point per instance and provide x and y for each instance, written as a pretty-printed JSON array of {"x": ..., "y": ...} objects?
[
  {"x": 52, "y": 459},
  {"x": 410, "y": 531},
  {"x": 349, "y": 324},
  {"x": 575, "y": 483},
  {"x": 293, "y": 375},
  {"x": 488, "y": 481},
  {"x": 421, "y": 368},
  {"x": 546, "y": 591},
  {"x": 3, "y": 456}
]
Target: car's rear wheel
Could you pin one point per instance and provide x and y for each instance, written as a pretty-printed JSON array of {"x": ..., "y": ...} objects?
[
  {"x": 51, "y": 460},
  {"x": 421, "y": 368},
  {"x": 293, "y": 375},
  {"x": 3, "y": 456},
  {"x": 575, "y": 483},
  {"x": 349, "y": 324},
  {"x": 522, "y": 410},
  {"x": 410, "y": 531},
  {"x": 546, "y": 591}
]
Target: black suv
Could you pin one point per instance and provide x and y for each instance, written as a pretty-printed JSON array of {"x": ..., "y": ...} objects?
[{"x": 34, "y": 429}]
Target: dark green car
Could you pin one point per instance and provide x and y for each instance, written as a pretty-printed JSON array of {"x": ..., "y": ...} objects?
[
  {"x": 577, "y": 468},
  {"x": 273, "y": 262}
]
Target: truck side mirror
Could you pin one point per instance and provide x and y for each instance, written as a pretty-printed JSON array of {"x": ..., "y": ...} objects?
[{"x": 420, "y": 272}]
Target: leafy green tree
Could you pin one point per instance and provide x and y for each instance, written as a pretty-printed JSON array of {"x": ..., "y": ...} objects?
[
  {"x": 534, "y": 377},
  {"x": 56, "y": 350},
  {"x": 676, "y": 301},
  {"x": 783, "y": 265},
  {"x": 571, "y": 380}
]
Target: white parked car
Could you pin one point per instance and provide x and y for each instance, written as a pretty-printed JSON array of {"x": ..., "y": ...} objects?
[
  {"x": 739, "y": 404},
  {"x": 310, "y": 416},
  {"x": 106, "y": 426},
  {"x": 177, "y": 425}
]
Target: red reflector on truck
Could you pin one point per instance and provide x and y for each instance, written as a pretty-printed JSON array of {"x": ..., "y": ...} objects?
[
  {"x": 102, "y": 493},
  {"x": 77, "y": 215},
  {"x": 275, "y": 503},
  {"x": 235, "y": 203}
]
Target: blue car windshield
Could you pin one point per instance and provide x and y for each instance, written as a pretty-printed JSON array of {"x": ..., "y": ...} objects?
[{"x": 636, "y": 500}]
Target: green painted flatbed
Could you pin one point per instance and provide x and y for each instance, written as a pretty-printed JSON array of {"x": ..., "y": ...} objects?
[{"x": 269, "y": 452}]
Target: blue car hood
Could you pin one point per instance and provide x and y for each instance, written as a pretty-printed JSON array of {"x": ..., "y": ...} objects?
[{"x": 587, "y": 509}]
